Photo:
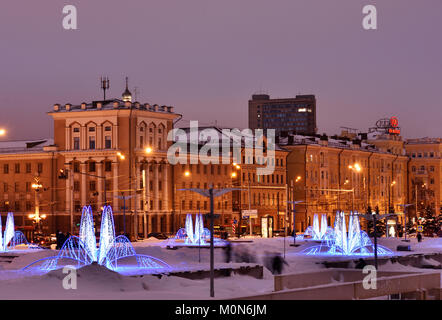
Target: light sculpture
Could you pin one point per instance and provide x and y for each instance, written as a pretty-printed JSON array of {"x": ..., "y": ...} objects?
[{"x": 83, "y": 250}]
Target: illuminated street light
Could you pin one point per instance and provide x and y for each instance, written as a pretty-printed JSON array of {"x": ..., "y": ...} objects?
[
  {"x": 237, "y": 167},
  {"x": 2, "y": 132},
  {"x": 298, "y": 178},
  {"x": 233, "y": 174},
  {"x": 122, "y": 157},
  {"x": 356, "y": 167},
  {"x": 148, "y": 150},
  {"x": 187, "y": 174}
]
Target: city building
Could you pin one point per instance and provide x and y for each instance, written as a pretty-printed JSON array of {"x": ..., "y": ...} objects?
[
  {"x": 333, "y": 173},
  {"x": 265, "y": 194},
  {"x": 290, "y": 114},
  {"x": 105, "y": 152},
  {"x": 424, "y": 179}
]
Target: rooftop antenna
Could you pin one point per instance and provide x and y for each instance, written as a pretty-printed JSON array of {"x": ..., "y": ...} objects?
[
  {"x": 136, "y": 91},
  {"x": 104, "y": 85}
]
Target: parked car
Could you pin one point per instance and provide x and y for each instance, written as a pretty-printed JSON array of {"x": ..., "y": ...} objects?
[
  {"x": 158, "y": 235},
  {"x": 45, "y": 241}
]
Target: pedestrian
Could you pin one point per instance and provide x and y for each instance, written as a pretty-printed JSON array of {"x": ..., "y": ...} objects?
[
  {"x": 361, "y": 264},
  {"x": 228, "y": 252},
  {"x": 59, "y": 237},
  {"x": 419, "y": 237},
  {"x": 278, "y": 264}
]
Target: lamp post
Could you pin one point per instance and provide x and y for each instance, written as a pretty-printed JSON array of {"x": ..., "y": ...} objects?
[
  {"x": 36, "y": 216},
  {"x": 212, "y": 193},
  {"x": 294, "y": 220},
  {"x": 405, "y": 206},
  {"x": 2, "y": 132},
  {"x": 356, "y": 168}
]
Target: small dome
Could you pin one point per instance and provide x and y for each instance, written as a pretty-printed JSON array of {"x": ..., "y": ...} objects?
[{"x": 127, "y": 95}]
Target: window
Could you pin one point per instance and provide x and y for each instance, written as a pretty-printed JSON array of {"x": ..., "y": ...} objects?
[
  {"x": 17, "y": 206},
  {"x": 40, "y": 167},
  {"x": 76, "y": 143},
  {"x": 17, "y": 168},
  {"x": 16, "y": 187},
  {"x": 28, "y": 168},
  {"x": 91, "y": 166},
  {"x": 183, "y": 204},
  {"x": 28, "y": 186},
  {"x": 108, "y": 128},
  {"x": 108, "y": 142},
  {"x": 413, "y": 168},
  {"x": 76, "y": 185},
  {"x": 76, "y": 129},
  {"x": 5, "y": 187},
  {"x": 76, "y": 167},
  {"x": 107, "y": 166},
  {"x": 92, "y": 186},
  {"x": 28, "y": 205},
  {"x": 6, "y": 168},
  {"x": 432, "y": 168},
  {"x": 91, "y": 129},
  {"x": 91, "y": 143}
]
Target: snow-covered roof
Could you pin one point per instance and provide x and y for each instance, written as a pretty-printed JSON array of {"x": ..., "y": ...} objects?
[{"x": 24, "y": 145}]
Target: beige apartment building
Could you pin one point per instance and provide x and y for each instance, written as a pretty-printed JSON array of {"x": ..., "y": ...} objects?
[
  {"x": 329, "y": 174},
  {"x": 424, "y": 168}
]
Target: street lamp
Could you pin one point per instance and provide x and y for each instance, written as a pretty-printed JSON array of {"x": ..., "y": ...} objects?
[
  {"x": 122, "y": 157},
  {"x": 2, "y": 132},
  {"x": 148, "y": 150},
  {"x": 212, "y": 193},
  {"x": 36, "y": 216},
  {"x": 405, "y": 220}
]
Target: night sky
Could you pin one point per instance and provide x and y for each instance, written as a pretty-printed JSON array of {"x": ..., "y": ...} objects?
[{"x": 207, "y": 57}]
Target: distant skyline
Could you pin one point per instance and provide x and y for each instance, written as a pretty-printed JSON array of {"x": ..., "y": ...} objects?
[{"x": 206, "y": 58}]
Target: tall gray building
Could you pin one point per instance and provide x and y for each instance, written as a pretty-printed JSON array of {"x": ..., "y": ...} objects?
[{"x": 289, "y": 114}]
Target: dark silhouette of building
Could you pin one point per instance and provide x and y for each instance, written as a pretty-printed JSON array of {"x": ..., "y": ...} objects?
[{"x": 289, "y": 114}]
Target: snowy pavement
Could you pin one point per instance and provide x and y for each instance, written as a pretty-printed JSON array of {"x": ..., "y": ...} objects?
[{"x": 97, "y": 282}]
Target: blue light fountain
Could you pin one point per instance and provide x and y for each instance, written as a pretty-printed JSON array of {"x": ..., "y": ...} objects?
[
  {"x": 355, "y": 242},
  {"x": 115, "y": 253},
  {"x": 12, "y": 239},
  {"x": 190, "y": 236}
]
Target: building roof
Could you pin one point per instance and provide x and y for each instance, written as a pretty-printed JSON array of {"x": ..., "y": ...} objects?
[
  {"x": 223, "y": 136},
  {"x": 23, "y": 146},
  {"x": 112, "y": 104}
]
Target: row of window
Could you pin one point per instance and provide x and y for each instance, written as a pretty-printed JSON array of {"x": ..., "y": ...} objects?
[
  {"x": 18, "y": 168},
  {"x": 422, "y": 168},
  {"x": 16, "y": 206},
  {"x": 423, "y": 154},
  {"x": 16, "y": 187}
]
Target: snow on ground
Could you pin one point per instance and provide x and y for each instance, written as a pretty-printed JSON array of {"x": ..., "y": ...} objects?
[{"x": 97, "y": 282}]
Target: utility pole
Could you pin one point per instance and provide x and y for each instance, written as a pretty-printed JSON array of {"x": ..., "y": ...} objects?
[
  {"x": 294, "y": 219},
  {"x": 405, "y": 220},
  {"x": 123, "y": 197},
  {"x": 250, "y": 208},
  {"x": 211, "y": 193}
]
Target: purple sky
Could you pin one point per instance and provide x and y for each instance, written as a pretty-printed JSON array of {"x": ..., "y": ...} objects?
[{"x": 206, "y": 58}]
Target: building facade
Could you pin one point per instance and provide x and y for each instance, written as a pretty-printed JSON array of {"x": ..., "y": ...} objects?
[
  {"x": 424, "y": 168},
  {"x": 291, "y": 114},
  {"x": 329, "y": 174}
]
